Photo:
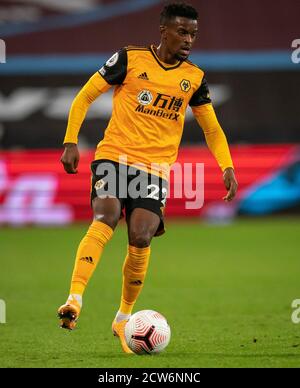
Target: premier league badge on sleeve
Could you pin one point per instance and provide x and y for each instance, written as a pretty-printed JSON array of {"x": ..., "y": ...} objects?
[{"x": 113, "y": 60}]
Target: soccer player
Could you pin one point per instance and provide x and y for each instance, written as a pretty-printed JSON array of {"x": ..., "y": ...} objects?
[{"x": 152, "y": 89}]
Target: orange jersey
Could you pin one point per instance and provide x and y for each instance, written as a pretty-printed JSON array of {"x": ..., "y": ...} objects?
[{"x": 149, "y": 105}]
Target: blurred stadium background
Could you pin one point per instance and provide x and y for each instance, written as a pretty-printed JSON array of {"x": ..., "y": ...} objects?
[
  {"x": 54, "y": 46},
  {"x": 245, "y": 48}
]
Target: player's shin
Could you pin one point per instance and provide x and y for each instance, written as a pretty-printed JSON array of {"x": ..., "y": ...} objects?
[
  {"x": 134, "y": 273},
  {"x": 88, "y": 255}
]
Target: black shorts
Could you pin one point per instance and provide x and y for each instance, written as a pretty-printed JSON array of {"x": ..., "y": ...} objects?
[{"x": 133, "y": 187}]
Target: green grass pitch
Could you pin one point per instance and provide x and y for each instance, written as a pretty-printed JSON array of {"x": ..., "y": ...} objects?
[{"x": 226, "y": 291}]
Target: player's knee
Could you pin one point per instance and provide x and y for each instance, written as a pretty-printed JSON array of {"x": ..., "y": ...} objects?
[
  {"x": 140, "y": 239},
  {"x": 107, "y": 211},
  {"x": 108, "y": 219}
]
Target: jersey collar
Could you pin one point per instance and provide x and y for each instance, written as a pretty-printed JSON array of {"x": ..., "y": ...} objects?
[{"x": 164, "y": 65}]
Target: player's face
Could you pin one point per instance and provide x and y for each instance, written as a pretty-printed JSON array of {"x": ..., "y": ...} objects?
[{"x": 180, "y": 35}]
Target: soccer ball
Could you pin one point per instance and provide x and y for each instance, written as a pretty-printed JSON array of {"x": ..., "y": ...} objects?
[{"x": 147, "y": 332}]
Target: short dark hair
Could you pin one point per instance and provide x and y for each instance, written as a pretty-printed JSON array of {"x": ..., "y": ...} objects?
[{"x": 172, "y": 10}]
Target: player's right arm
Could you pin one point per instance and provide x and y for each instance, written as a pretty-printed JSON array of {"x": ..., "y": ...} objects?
[
  {"x": 112, "y": 73},
  {"x": 95, "y": 86}
]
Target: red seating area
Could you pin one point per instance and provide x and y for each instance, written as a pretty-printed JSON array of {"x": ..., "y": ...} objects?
[{"x": 252, "y": 163}]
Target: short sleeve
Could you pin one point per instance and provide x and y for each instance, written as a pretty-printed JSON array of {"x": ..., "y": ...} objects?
[
  {"x": 201, "y": 95},
  {"x": 114, "y": 71}
]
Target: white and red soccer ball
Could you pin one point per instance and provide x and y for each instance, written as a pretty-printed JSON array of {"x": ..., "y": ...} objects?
[{"x": 147, "y": 332}]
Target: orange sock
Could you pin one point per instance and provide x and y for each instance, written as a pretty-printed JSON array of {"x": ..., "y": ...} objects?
[
  {"x": 88, "y": 255},
  {"x": 134, "y": 272}
]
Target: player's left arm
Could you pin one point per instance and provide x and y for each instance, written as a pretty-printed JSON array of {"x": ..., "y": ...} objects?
[{"x": 215, "y": 137}]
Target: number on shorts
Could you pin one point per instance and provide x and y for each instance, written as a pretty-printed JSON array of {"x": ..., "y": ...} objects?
[{"x": 153, "y": 193}]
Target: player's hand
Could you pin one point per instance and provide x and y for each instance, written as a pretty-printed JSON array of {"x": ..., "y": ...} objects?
[
  {"x": 70, "y": 158},
  {"x": 230, "y": 184}
]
